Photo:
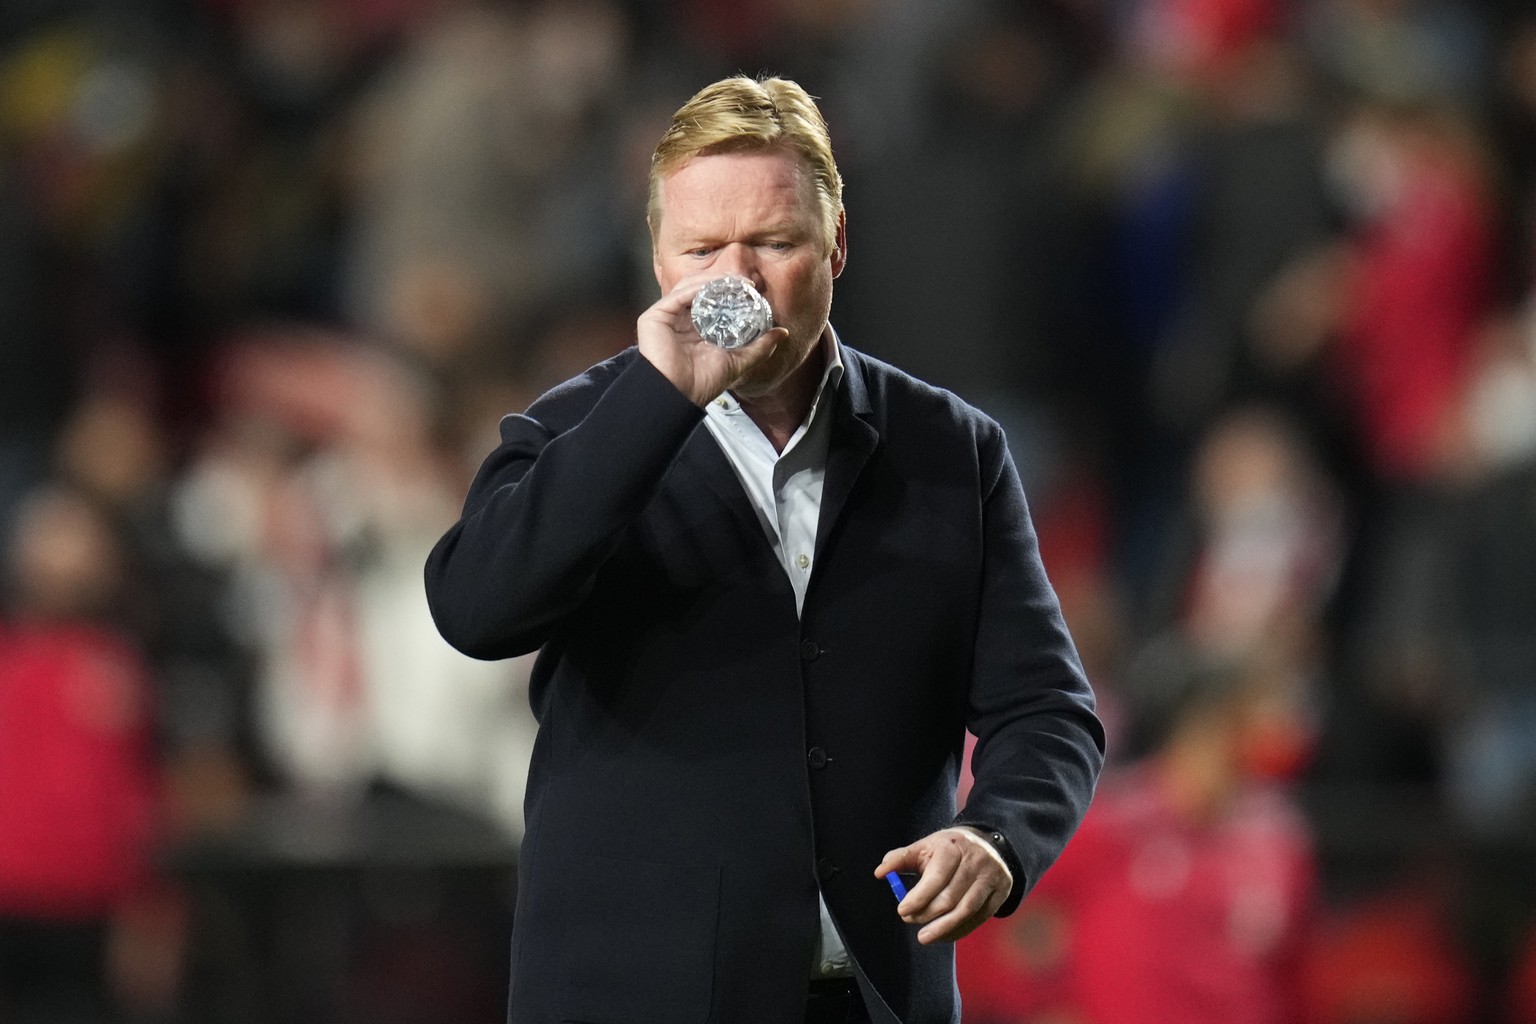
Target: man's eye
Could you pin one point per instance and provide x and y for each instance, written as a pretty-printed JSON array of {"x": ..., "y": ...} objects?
[
  {"x": 702, "y": 250},
  {"x": 780, "y": 246}
]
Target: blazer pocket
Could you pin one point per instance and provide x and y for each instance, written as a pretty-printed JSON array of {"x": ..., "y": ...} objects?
[{"x": 639, "y": 941}]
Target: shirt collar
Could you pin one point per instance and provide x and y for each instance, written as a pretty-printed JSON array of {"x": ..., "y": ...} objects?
[{"x": 831, "y": 376}]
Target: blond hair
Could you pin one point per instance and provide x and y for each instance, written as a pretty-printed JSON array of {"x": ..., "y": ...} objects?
[{"x": 747, "y": 114}]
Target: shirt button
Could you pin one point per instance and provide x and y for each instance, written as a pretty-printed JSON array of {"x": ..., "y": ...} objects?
[
  {"x": 825, "y": 869},
  {"x": 809, "y": 650},
  {"x": 817, "y": 757},
  {"x": 803, "y": 561}
]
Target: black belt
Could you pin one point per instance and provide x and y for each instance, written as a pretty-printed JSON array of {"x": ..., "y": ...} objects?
[{"x": 834, "y": 1001}]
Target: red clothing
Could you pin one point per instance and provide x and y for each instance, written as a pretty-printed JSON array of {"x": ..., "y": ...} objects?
[
  {"x": 1392, "y": 957},
  {"x": 1147, "y": 918},
  {"x": 76, "y": 783},
  {"x": 1424, "y": 286}
]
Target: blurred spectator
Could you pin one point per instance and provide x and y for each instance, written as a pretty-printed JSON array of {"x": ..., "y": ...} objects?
[
  {"x": 1390, "y": 321},
  {"x": 484, "y": 181},
  {"x": 1422, "y": 280},
  {"x": 1401, "y": 302},
  {"x": 78, "y": 785},
  {"x": 1186, "y": 895},
  {"x": 321, "y": 491},
  {"x": 1491, "y": 576},
  {"x": 1258, "y": 560},
  {"x": 114, "y": 448}
]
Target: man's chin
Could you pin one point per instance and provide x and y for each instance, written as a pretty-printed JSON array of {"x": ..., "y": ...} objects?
[
  {"x": 763, "y": 381},
  {"x": 771, "y": 376}
]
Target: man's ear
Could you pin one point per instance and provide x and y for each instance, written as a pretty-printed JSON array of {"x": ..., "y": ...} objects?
[{"x": 840, "y": 245}]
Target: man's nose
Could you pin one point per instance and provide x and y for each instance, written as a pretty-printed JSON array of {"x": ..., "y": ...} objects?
[{"x": 741, "y": 260}]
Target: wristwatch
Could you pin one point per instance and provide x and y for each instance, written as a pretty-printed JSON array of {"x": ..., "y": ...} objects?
[
  {"x": 999, "y": 843},
  {"x": 1004, "y": 848}
]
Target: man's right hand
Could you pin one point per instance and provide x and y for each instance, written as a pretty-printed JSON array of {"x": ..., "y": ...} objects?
[{"x": 700, "y": 370}]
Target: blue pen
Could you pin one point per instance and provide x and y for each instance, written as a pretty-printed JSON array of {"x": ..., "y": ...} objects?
[{"x": 896, "y": 886}]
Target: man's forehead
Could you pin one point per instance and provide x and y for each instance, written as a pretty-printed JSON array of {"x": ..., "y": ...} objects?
[{"x": 749, "y": 174}]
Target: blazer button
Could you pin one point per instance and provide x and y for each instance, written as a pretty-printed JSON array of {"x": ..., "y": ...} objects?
[
  {"x": 825, "y": 869},
  {"x": 809, "y": 650},
  {"x": 817, "y": 757}
]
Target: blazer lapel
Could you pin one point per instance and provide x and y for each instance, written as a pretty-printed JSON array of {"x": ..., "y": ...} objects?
[
  {"x": 853, "y": 440},
  {"x": 703, "y": 460},
  {"x": 707, "y": 476}
]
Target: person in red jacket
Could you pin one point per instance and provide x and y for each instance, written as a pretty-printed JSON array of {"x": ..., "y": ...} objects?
[
  {"x": 1187, "y": 892},
  {"x": 76, "y": 772}
]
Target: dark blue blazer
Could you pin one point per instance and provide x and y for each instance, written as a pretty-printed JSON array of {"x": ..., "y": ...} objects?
[{"x": 706, "y": 759}]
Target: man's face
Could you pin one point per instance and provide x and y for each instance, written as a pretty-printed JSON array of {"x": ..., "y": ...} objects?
[{"x": 753, "y": 214}]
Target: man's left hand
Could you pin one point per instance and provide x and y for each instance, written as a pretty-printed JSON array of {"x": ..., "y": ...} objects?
[{"x": 964, "y": 880}]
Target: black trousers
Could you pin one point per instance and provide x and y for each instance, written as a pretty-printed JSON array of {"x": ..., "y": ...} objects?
[
  {"x": 835, "y": 1002},
  {"x": 53, "y": 972}
]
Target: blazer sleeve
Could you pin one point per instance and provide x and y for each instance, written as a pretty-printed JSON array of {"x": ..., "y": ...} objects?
[
  {"x": 550, "y": 505},
  {"x": 1039, "y": 746}
]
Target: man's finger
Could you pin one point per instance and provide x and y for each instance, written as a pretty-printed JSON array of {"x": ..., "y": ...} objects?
[
  {"x": 952, "y": 927},
  {"x": 903, "y": 858},
  {"x": 762, "y": 346},
  {"x": 973, "y": 909},
  {"x": 946, "y": 899},
  {"x": 939, "y": 868}
]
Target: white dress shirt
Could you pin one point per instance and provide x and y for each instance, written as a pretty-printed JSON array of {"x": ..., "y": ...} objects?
[{"x": 785, "y": 489}]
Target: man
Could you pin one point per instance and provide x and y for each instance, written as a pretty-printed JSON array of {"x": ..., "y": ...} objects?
[{"x": 772, "y": 586}]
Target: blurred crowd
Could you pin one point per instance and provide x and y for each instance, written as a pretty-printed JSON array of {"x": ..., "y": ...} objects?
[{"x": 1251, "y": 284}]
